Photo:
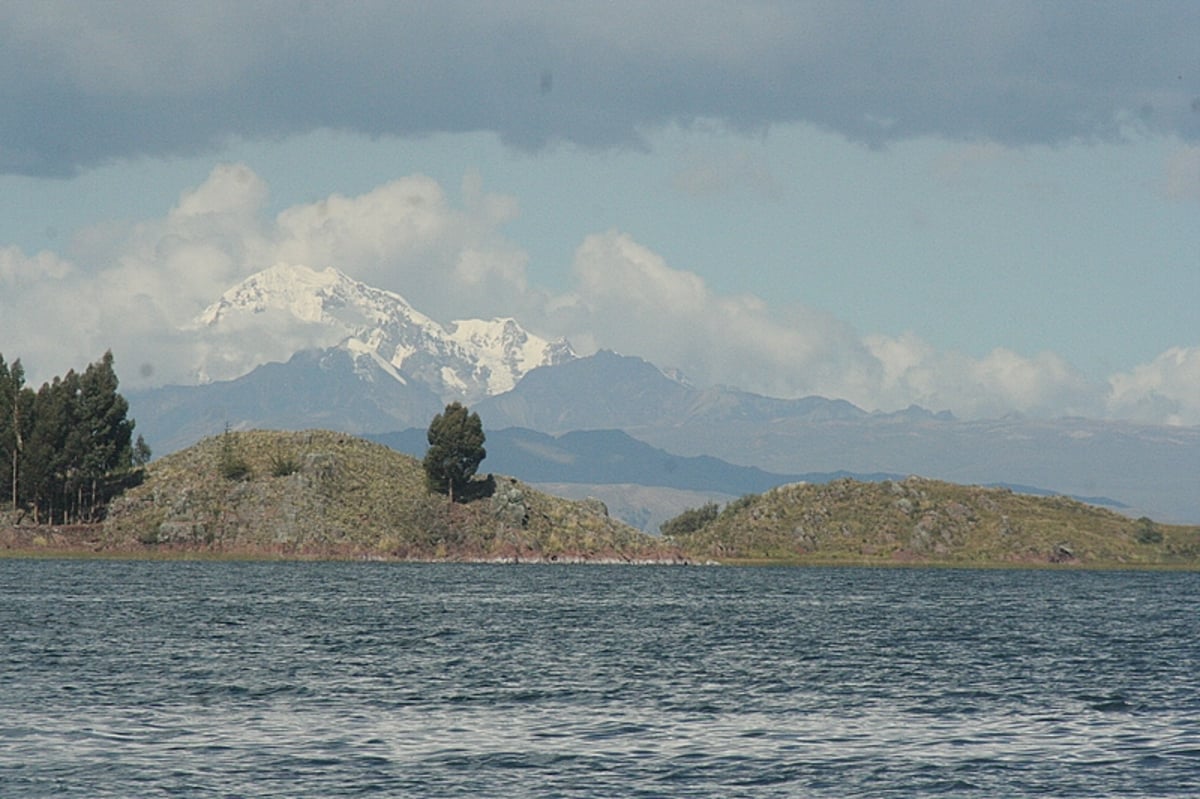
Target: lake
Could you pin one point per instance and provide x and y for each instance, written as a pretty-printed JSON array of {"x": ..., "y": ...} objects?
[{"x": 202, "y": 679}]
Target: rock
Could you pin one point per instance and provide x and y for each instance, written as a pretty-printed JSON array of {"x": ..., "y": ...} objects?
[
  {"x": 594, "y": 506},
  {"x": 319, "y": 466},
  {"x": 508, "y": 503}
]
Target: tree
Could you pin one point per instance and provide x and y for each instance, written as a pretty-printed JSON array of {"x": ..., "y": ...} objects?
[
  {"x": 52, "y": 450},
  {"x": 455, "y": 450},
  {"x": 105, "y": 432},
  {"x": 12, "y": 380},
  {"x": 689, "y": 521}
]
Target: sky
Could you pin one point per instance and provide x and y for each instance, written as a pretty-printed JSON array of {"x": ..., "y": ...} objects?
[{"x": 982, "y": 208}]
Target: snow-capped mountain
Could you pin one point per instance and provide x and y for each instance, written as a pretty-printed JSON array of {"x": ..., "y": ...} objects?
[{"x": 288, "y": 308}]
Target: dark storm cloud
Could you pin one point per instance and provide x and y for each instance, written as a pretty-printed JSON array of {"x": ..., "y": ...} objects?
[{"x": 84, "y": 83}]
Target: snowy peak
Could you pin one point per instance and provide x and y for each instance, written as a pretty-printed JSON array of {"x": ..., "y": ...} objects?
[
  {"x": 288, "y": 308},
  {"x": 506, "y": 349},
  {"x": 324, "y": 297}
]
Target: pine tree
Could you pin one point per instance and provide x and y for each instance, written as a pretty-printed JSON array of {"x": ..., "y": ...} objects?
[
  {"x": 52, "y": 449},
  {"x": 11, "y": 382},
  {"x": 105, "y": 445},
  {"x": 455, "y": 450}
]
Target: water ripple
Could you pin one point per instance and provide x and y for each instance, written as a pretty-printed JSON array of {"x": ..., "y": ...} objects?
[{"x": 331, "y": 680}]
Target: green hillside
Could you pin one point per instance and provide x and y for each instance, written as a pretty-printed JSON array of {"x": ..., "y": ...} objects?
[
  {"x": 319, "y": 493},
  {"x": 927, "y": 521}
]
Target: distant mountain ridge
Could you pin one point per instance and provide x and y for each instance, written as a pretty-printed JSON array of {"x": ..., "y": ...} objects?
[{"x": 612, "y": 391}]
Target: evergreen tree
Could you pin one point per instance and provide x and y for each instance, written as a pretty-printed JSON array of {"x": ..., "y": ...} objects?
[
  {"x": 105, "y": 432},
  {"x": 52, "y": 449},
  {"x": 455, "y": 450},
  {"x": 12, "y": 380}
]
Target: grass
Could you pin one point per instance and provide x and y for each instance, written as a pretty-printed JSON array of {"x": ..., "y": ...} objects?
[{"x": 928, "y": 522}]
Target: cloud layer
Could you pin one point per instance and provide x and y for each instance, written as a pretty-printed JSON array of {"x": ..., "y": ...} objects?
[
  {"x": 135, "y": 290},
  {"x": 84, "y": 83}
]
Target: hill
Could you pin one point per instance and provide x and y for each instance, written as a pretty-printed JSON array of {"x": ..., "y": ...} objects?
[
  {"x": 322, "y": 493},
  {"x": 920, "y": 520}
]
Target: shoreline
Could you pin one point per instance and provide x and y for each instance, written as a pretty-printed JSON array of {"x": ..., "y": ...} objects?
[{"x": 85, "y": 542}]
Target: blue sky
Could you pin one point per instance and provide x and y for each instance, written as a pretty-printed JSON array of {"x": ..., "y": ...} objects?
[{"x": 987, "y": 210}]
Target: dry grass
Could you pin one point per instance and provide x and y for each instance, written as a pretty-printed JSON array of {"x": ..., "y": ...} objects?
[{"x": 927, "y": 521}]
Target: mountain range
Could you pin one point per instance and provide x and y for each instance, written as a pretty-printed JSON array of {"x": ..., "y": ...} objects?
[
  {"x": 380, "y": 330},
  {"x": 372, "y": 364}
]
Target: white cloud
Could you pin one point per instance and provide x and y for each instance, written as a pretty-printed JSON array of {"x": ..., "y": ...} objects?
[
  {"x": 406, "y": 236},
  {"x": 1166, "y": 390},
  {"x": 17, "y": 269},
  {"x": 629, "y": 299},
  {"x": 1001, "y": 382}
]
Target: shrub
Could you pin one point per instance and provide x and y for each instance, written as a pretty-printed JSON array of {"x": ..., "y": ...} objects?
[
  {"x": 284, "y": 464},
  {"x": 232, "y": 464},
  {"x": 689, "y": 521}
]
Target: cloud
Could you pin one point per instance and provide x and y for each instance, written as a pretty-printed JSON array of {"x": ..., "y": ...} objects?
[
  {"x": 1166, "y": 390},
  {"x": 996, "y": 384},
  {"x": 85, "y": 83},
  {"x": 18, "y": 269},
  {"x": 406, "y": 236}
]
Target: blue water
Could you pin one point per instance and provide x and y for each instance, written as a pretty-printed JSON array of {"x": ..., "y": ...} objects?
[{"x": 332, "y": 680}]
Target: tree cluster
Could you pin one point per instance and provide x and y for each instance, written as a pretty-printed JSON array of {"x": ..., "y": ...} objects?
[{"x": 66, "y": 449}]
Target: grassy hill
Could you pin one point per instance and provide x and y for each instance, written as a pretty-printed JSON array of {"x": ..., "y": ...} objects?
[
  {"x": 326, "y": 494},
  {"x": 321, "y": 493},
  {"x": 918, "y": 520}
]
